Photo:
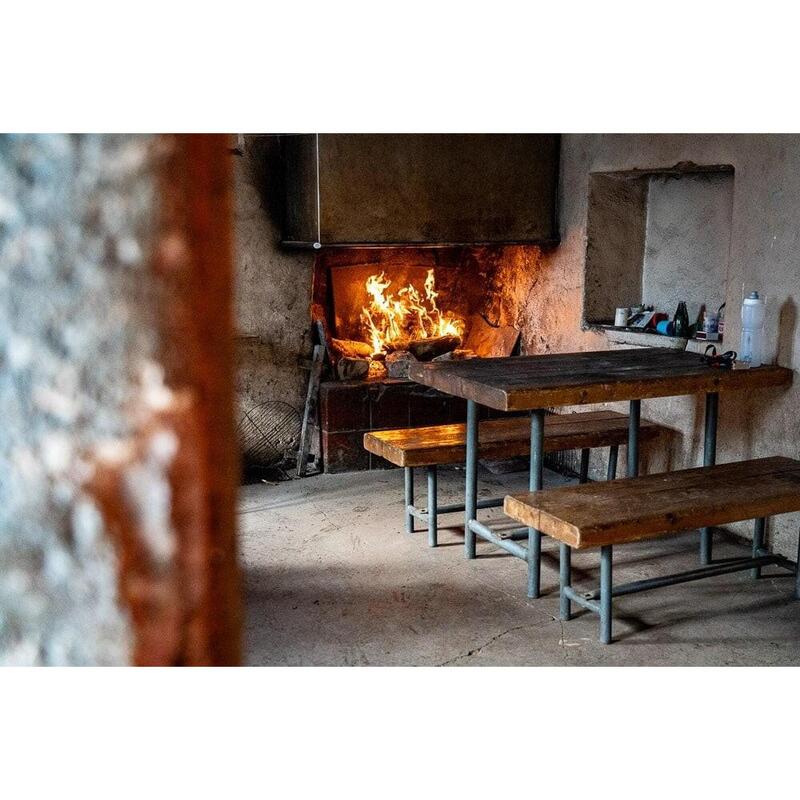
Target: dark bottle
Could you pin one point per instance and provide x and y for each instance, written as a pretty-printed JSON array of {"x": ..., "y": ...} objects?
[{"x": 681, "y": 321}]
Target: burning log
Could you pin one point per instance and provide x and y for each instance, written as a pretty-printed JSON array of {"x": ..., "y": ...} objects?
[
  {"x": 377, "y": 370},
  {"x": 352, "y": 368},
  {"x": 393, "y": 321},
  {"x": 456, "y": 355},
  {"x": 428, "y": 349},
  {"x": 347, "y": 348},
  {"x": 397, "y": 363}
]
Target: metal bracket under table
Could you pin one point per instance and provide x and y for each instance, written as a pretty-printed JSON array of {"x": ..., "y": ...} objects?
[
  {"x": 532, "y": 554},
  {"x": 599, "y": 600}
]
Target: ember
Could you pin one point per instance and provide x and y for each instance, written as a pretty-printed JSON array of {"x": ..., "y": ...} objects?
[{"x": 391, "y": 322}]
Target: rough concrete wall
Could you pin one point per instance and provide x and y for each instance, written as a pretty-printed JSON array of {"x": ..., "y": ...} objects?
[
  {"x": 273, "y": 285},
  {"x": 75, "y": 362},
  {"x": 615, "y": 241},
  {"x": 688, "y": 241},
  {"x": 765, "y": 242}
]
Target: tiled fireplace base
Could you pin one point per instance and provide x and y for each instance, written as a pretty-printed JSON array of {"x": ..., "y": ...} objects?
[{"x": 348, "y": 409}]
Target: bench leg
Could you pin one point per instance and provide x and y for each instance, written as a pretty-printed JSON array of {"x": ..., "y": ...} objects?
[
  {"x": 583, "y": 475},
  {"x": 709, "y": 459},
  {"x": 758, "y": 543},
  {"x": 565, "y": 579},
  {"x": 409, "y": 476},
  {"x": 432, "y": 507},
  {"x": 605, "y": 594},
  {"x": 535, "y": 483},
  {"x": 633, "y": 437},
  {"x": 613, "y": 454},
  {"x": 471, "y": 491}
]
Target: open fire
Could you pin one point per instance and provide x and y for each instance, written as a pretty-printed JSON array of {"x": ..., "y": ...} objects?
[
  {"x": 394, "y": 328},
  {"x": 392, "y": 321}
]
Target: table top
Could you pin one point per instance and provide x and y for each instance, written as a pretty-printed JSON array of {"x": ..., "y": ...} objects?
[{"x": 526, "y": 382}]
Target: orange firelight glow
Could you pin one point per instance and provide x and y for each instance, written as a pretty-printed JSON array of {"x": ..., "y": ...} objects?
[{"x": 391, "y": 321}]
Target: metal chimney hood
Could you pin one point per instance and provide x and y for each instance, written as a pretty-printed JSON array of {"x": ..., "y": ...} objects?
[{"x": 419, "y": 189}]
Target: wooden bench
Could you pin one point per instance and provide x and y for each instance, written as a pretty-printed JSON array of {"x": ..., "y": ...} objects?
[
  {"x": 497, "y": 439},
  {"x": 628, "y": 510}
]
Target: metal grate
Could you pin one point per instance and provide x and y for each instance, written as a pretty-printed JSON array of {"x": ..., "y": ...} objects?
[{"x": 269, "y": 433}]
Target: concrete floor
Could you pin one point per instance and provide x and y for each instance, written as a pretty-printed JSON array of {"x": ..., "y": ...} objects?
[{"x": 332, "y": 579}]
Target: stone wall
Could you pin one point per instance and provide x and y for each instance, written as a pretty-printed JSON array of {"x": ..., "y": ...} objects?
[{"x": 764, "y": 255}]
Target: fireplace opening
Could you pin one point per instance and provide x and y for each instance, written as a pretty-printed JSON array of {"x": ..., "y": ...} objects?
[
  {"x": 385, "y": 307},
  {"x": 401, "y": 314},
  {"x": 381, "y": 309}
]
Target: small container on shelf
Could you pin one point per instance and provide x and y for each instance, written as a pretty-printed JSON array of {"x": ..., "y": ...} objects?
[{"x": 681, "y": 321}]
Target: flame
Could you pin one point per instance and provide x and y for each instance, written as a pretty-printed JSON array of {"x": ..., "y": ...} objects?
[{"x": 391, "y": 320}]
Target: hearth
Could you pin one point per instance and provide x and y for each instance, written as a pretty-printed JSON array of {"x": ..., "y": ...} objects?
[{"x": 378, "y": 309}]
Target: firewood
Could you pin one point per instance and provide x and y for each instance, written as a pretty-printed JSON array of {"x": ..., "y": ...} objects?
[
  {"x": 348, "y": 348},
  {"x": 352, "y": 368},
  {"x": 427, "y": 349},
  {"x": 456, "y": 355},
  {"x": 397, "y": 363}
]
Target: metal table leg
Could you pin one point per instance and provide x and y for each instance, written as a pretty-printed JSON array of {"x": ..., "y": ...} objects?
[
  {"x": 583, "y": 475},
  {"x": 471, "y": 496},
  {"x": 709, "y": 459},
  {"x": 565, "y": 576},
  {"x": 535, "y": 483},
  {"x": 432, "y": 507},
  {"x": 409, "y": 477},
  {"x": 633, "y": 438},
  {"x": 758, "y": 543},
  {"x": 613, "y": 454},
  {"x": 797, "y": 572},
  {"x": 605, "y": 593}
]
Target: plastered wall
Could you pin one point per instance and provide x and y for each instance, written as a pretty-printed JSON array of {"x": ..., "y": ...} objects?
[{"x": 764, "y": 255}]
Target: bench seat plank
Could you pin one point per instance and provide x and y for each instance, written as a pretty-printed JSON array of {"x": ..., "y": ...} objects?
[
  {"x": 502, "y": 438},
  {"x": 627, "y": 510}
]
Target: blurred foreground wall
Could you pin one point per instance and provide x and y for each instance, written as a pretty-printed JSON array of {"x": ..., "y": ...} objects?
[{"x": 110, "y": 551}]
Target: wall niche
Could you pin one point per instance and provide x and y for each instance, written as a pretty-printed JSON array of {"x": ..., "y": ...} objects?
[{"x": 657, "y": 236}]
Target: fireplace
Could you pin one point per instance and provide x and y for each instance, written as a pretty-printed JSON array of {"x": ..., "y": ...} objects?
[{"x": 378, "y": 309}]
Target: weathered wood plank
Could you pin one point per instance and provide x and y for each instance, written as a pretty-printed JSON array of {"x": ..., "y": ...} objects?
[
  {"x": 626, "y": 510},
  {"x": 526, "y": 382},
  {"x": 502, "y": 438}
]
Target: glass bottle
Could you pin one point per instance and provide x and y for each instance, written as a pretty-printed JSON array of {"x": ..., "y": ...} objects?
[{"x": 681, "y": 321}]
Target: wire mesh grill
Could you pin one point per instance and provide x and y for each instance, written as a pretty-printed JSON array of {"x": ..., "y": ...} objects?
[{"x": 269, "y": 433}]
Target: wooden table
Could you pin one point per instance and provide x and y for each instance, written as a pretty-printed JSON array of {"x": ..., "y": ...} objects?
[{"x": 535, "y": 383}]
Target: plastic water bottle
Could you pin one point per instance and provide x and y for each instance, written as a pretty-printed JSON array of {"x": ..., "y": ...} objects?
[{"x": 752, "y": 347}]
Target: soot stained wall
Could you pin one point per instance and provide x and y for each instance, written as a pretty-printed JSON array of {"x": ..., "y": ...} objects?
[{"x": 273, "y": 285}]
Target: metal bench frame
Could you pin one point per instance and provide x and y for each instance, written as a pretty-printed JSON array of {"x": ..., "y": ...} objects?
[
  {"x": 600, "y": 600},
  {"x": 430, "y": 514}
]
